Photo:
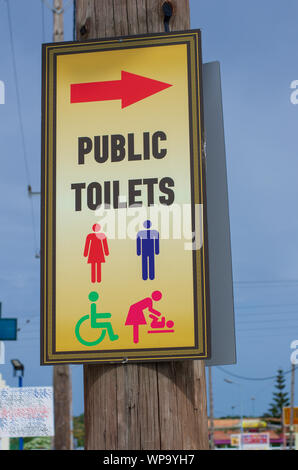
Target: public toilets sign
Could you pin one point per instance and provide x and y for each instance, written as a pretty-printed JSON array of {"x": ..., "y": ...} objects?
[{"x": 124, "y": 244}]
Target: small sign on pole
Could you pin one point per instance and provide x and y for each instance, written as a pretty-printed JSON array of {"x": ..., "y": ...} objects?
[
  {"x": 8, "y": 327},
  {"x": 251, "y": 441},
  {"x": 287, "y": 416}
]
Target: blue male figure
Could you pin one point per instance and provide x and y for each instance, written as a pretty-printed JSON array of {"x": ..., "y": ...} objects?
[{"x": 148, "y": 247}]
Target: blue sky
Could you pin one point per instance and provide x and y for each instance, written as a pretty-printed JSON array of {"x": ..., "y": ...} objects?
[{"x": 256, "y": 45}]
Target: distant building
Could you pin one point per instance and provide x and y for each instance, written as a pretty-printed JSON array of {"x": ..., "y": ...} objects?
[{"x": 224, "y": 428}]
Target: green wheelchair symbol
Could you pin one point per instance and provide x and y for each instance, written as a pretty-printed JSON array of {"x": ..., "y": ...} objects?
[{"x": 105, "y": 326}]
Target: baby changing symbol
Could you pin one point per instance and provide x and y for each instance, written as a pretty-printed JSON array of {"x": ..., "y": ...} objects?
[{"x": 136, "y": 317}]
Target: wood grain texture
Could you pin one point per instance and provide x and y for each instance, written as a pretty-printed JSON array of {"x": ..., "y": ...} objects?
[
  {"x": 62, "y": 373},
  {"x": 63, "y": 407},
  {"x": 146, "y": 406},
  {"x": 157, "y": 406},
  {"x": 108, "y": 18},
  {"x": 58, "y": 23}
]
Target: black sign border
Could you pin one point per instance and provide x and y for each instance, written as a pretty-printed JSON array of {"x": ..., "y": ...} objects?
[{"x": 48, "y": 354}]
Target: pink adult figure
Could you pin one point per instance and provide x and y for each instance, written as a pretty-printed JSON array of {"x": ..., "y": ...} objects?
[
  {"x": 136, "y": 317},
  {"x": 96, "y": 248}
]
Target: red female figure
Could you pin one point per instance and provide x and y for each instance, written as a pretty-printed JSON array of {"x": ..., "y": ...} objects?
[{"x": 96, "y": 248}]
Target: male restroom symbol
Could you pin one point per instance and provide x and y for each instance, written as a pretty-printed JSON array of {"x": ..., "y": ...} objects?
[{"x": 148, "y": 247}]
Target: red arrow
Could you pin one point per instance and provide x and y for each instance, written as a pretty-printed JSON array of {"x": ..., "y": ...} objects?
[{"x": 130, "y": 89}]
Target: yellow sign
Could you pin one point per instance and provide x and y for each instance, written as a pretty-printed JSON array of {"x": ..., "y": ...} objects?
[
  {"x": 235, "y": 440},
  {"x": 254, "y": 423},
  {"x": 287, "y": 416},
  {"x": 124, "y": 241}
]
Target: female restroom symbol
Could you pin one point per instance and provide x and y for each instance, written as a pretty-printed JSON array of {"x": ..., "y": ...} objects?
[{"x": 96, "y": 248}]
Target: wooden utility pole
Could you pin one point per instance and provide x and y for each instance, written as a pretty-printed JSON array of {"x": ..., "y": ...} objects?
[
  {"x": 292, "y": 436},
  {"x": 211, "y": 411},
  {"x": 58, "y": 24},
  {"x": 141, "y": 406},
  {"x": 62, "y": 408},
  {"x": 61, "y": 374}
]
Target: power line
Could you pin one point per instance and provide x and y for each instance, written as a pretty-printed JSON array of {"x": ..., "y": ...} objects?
[
  {"x": 74, "y": 20},
  {"x": 283, "y": 336},
  {"x": 265, "y": 314},
  {"x": 17, "y": 91},
  {"x": 270, "y": 328},
  {"x": 248, "y": 313},
  {"x": 42, "y": 22},
  {"x": 278, "y": 282},
  {"x": 272, "y": 377},
  {"x": 257, "y": 322},
  {"x": 27, "y": 172},
  {"x": 240, "y": 307},
  {"x": 269, "y": 281}
]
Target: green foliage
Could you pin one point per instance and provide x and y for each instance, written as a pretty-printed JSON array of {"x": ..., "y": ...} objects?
[
  {"x": 79, "y": 430},
  {"x": 32, "y": 443},
  {"x": 280, "y": 397},
  {"x": 38, "y": 443},
  {"x": 13, "y": 443}
]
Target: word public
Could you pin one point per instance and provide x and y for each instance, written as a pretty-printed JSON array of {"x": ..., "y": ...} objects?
[{"x": 117, "y": 148}]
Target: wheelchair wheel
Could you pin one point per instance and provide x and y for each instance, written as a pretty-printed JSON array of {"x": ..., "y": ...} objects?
[{"x": 84, "y": 342}]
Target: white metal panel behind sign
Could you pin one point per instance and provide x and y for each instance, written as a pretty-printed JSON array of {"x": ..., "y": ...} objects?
[{"x": 26, "y": 411}]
